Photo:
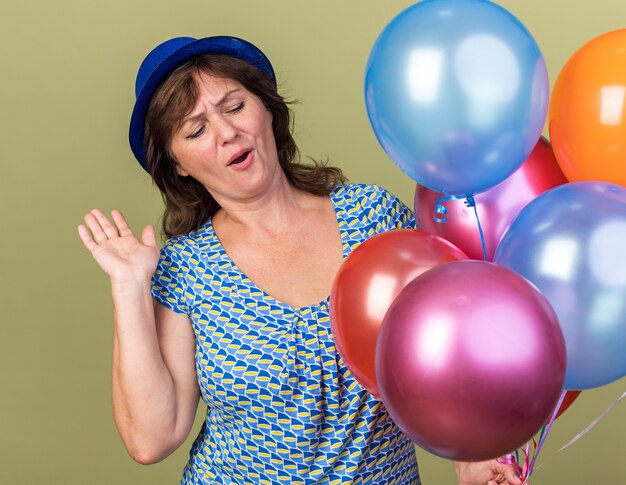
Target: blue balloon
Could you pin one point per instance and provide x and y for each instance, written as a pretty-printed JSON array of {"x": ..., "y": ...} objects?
[
  {"x": 457, "y": 94},
  {"x": 571, "y": 243}
]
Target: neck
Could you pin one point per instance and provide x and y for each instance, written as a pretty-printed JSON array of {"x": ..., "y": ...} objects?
[{"x": 269, "y": 213}]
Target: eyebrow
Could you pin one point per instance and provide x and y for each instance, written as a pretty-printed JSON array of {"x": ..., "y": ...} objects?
[{"x": 201, "y": 115}]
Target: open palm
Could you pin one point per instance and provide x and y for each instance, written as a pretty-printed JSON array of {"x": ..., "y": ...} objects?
[{"x": 117, "y": 250}]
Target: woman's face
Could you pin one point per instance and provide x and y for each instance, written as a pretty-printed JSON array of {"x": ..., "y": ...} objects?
[{"x": 227, "y": 142}]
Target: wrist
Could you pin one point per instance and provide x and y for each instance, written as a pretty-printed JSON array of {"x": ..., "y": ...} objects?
[
  {"x": 132, "y": 285},
  {"x": 459, "y": 467}
]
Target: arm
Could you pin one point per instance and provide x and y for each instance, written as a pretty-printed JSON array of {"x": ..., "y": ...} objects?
[{"x": 154, "y": 388}]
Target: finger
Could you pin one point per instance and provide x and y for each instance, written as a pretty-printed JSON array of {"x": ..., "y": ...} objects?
[
  {"x": 491, "y": 482},
  {"x": 120, "y": 222},
  {"x": 94, "y": 226},
  {"x": 148, "y": 236},
  {"x": 109, "y": 229},
  {"x": 511, "y": 474},
  {"x": 86, "y": 238}
]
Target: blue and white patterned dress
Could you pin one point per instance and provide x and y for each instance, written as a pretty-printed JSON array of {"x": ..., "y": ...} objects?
[{"x": 282, "y": 406}]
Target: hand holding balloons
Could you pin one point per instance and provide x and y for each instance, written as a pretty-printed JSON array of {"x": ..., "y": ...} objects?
[{"x": 470, "y": 359}]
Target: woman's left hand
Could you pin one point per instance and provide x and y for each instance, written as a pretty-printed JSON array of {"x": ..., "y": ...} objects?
[{"x": 488, "y": 473}]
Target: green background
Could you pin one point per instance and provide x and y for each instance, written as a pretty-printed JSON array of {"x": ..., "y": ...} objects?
[{"x": 68, "y": 70}]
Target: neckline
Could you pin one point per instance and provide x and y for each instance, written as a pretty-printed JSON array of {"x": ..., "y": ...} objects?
[{"x": 266, "y": 296}]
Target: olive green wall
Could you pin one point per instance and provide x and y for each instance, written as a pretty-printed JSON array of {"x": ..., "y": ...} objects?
[{"x": 68, "y": 69}]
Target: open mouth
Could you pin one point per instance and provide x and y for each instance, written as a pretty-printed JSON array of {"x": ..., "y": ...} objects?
[{"x": 240, "y": 158}]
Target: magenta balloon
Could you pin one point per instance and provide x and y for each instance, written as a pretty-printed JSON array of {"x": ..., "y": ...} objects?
[
  {"x": 497, "y": 207},
  {"x": 470, "y": 360}
]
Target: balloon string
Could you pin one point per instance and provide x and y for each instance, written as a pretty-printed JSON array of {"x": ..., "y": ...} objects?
[
  {"x": 592, "y": 424},
  {"x": 470, "y": 202},
  {"x": 528, "y": 468},
  {"x": 527, "y": 454},
  {"x": 544, "y": 434},
  {"x": 530, "y": 457},
  {"x": 442, "y": 215},
  {"x": 509, "y": 460},
  {"x": 441, "y": 209},
  {"x": 587, "y": 429}
]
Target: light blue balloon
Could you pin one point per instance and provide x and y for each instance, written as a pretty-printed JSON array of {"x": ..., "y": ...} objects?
[
  {"x": 457, "y": 94},
  {"x": 571, "y": 243}
]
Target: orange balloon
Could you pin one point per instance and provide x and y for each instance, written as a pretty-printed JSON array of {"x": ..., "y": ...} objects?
[{"x": 587, "y": 114}]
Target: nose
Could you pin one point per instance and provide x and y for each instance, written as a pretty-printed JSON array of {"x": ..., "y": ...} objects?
[{"x": 225, "y": 131}]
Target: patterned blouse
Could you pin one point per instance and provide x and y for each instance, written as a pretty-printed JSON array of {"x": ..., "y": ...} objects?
[{"x": 283, "y": 408}]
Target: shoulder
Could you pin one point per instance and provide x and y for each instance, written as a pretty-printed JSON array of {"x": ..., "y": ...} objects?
[
  {"x": 376, "y": 209},
  {"x": 186, "y": 245},
  {"x": 363, "y": 191},
  {"x": 370, "y": 195}
]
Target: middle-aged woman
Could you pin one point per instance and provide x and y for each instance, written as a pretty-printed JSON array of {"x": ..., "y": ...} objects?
[{"x": 234, "y": 307}]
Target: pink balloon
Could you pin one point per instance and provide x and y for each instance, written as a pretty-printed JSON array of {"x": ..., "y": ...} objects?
[
  {"x": 496, "y": 207},
  {"x": 470, "y": 360}
]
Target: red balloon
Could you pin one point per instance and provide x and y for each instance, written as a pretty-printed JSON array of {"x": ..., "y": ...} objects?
[
  {"x": 470, "y": 360},
  {"x": 366, "y": 284},
  {"x": 497, "y": 207}
]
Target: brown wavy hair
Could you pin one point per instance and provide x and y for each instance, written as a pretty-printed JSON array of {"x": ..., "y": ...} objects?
[{"x": 188, "y": 204}]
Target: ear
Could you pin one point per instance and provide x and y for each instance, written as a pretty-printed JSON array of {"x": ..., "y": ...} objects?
[{"x": 181, "y": 171}]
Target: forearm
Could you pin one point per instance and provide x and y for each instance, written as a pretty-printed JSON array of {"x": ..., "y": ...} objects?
[{"x": 143, "y": 391}]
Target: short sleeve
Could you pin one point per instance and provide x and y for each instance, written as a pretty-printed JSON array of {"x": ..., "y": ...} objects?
[
  {"x": 401, "y": 217},
  {"x": 392, "y": 212},
  {"x": 169, "y": 279}
]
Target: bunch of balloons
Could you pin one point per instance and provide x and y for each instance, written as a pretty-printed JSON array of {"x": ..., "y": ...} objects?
[{"x": 471, "y": 357}]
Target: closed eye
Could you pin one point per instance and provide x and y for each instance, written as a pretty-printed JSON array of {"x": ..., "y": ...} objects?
[
  {"x": 196, "y": 133},
  {"x": 236, "y": 109}
]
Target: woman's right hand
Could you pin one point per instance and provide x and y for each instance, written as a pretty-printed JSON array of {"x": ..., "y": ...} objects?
[{"x": 116, "y": 249}]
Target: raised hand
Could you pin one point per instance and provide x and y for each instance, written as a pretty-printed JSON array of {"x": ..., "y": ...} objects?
[{"x": 116, "y": 249}]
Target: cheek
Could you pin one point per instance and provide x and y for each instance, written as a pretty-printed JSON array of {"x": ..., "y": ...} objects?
[
  {"x": 268, "y": 129},
  {"x": 194, "y": 153},
  {"x": 176, "y": 150}
]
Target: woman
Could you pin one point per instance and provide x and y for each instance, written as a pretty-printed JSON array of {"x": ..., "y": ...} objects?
[{"x": 235, "y": 308}]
